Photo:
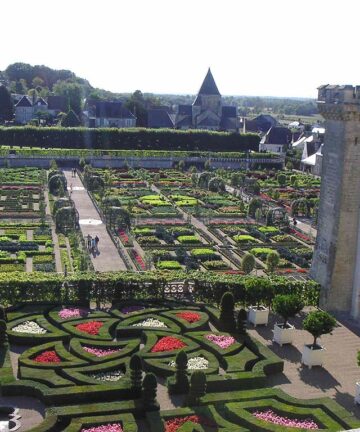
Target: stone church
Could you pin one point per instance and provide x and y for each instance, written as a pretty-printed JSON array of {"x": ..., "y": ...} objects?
[{"x": 206, "y": 112}]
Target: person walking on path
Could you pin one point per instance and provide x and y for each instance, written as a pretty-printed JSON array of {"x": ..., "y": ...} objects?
[
  {"x": 97, "y": 242},
  {"x": 89, "y": 238},
  {"x": 93, "y": 246},
  {"x": 71, "y": 189}
]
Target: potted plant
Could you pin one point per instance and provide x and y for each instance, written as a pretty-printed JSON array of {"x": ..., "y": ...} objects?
[
  {"x": 287, "y": 306},
  {"x": 258, "y": 290},
  {"x": 317, "y": 323}
]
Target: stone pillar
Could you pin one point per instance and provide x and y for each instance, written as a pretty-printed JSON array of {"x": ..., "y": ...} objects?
[{"x": 337, "y": 252}]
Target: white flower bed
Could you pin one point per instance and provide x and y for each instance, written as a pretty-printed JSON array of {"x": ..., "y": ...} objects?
[
  {"x": 150, "y": 322},
  {"x": 194, "y": 363},
  {"x": 29, "y": 327},
  {"x": 114, "y": 375}
]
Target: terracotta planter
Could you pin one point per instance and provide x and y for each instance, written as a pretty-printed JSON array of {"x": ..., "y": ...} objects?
[
  {"x": 313, "y": 357},
  {"x": 258, "y": 315},
  {"x": 283, "y": 335},
  {"x": 357, "y": 393}
]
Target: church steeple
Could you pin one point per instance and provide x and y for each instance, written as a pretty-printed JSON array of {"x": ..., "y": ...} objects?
[{"x": 209, "y": 86}]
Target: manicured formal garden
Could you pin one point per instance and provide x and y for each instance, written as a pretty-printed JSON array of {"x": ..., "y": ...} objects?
[{"x": 98, "y": 369}]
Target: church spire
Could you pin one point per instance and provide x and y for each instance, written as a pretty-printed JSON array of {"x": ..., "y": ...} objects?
[{"x": 209, "y": 86}]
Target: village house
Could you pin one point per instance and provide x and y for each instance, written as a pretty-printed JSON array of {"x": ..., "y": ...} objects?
[{"x": 107, "y": 114}]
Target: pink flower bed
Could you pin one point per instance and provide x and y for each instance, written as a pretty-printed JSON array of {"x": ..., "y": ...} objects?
[
  {"x": 67, "y": 313},
  {"x": 271, "y": 417},
  {"x": 123, "y": 236},
  {"x": 110, "y": 427},
  {"x": 221, "y": 341},
  {"x": 139, "y": 260},
  {"x": 98, "y": 352}
]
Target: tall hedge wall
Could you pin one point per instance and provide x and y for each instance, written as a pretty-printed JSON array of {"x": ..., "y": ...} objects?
[{"x": 127, "y": 139}]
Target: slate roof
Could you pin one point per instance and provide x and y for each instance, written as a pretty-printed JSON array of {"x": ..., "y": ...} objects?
[
  {"x": 40, "y": 101},
  {"x": 57, "y": 103},
  {"x": 228, "y": 123},
  {"x": 228, "y": 111},
  {"x": 209, "y": 86},
  {"x": 108, "y": 109},
  {"x": 185, "y": 110},
  {"x": 159, "y": 118},
  {"x": 24, "y": 102},
  {"x": 278, "y": 135},
  {"x": 208, "y": 121},
  {"x": 185, "y": 122}
]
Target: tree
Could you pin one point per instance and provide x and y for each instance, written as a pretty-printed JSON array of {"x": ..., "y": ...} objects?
[
  {"x": 73, "y": 92},
  {"x": 216, "y": 184},
  {"x": 258, "y": 290},
  {"x": 207, "y": 165},
  {"x": 281, "y": 178},
  {"x": 248, "y": 263},
  {"x": 181, "y": 378},
  {"x": 137, "y": 105},
  {"x": 258, "y": 215},
  {"x": 269, "y": 218},
  {"x": 254, "y": 204},
  {"x": 318, "y": 323},
  {"x": 70, "y": 120},
  {"x": 197, "y": 387},
  {"x": 135, "y": 372},
  {"x": 272, "y": 261},
  {"x": 287, "y": 305},
  {"x": 203, "y": 179},
  {"x": 6, "y": 105},
  {"x": 289, "y": 165},
  {"x": 149, "y": 392},
  {"x": 227, "y": 318},
  {"x": 181, "y": 165},
  {"x": 241, "y": 321},
  {"x": 293, "y": 180}
]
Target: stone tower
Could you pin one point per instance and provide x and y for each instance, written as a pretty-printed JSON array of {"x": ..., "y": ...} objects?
[{"x": 336, "y": 261}]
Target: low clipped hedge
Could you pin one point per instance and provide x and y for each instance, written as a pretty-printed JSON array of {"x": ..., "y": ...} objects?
[
  {"x": 127, "y": 422},
  {"x": 125, "y": 328}
]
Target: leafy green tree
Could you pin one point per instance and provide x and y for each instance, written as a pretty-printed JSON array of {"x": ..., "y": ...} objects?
[
  {"x": 135, "y": 372},
  {"x": 254, "y": 204},
  {"x": 248, "y": 263},
  {"x": 287, "y": 305},
  {"x": 227, "y": 318},
  {"x": 197, "y": 387},
  {"x": 289, "y": 165},
  {"x": 258, "y": 215},
  {"x": 318, "y": 323},
  {"x": 216, "y": 184},
  {"x": 272, "y": 261},
  {"x": 258, "y": 290},
  {"x": 74, "y": 94},
  {"x": 293, "y": 179},
  {"x": 6, "y": 105},
  {"x": 181, "y": 378},
  {"x": 138, "y": 106},
  {"x": 70, "y": 120}
]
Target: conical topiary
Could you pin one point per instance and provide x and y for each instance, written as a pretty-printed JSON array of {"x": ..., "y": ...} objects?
[
  {"x": 3, "y": 335},
  {"x": 241, "y": 321},
  {"x": 135, "y": 372},
  {"x": 2, "y": 313},
  {"x": 197, "y": 387},
  {"x": 181, "y": 378},
  {"x": 227, "y": 319},
  {"x": 149, "y": 392}
]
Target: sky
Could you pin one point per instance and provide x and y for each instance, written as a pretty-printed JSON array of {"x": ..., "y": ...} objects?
[{"x": 254, "y": 47}]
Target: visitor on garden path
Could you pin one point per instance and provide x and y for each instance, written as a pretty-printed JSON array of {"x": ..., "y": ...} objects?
[
  {"x": 93, "y": 246},
  {"x": 89, "y": 238},
  {"x": 97, "y": 242},
  {"x": 294, "y": 222},
  {"x": 71, "y": 189}
]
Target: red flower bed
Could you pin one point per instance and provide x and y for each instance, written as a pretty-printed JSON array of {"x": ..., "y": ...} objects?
[
  {"x": 123, "y": 237},
  {"x": 139, "y": 260},
  {"x": 168, "y": 343},
  {"x": 300, "y": 235},
  {"x": 190, "y": 317},
  {"x": 47, "y": 357},
  {"x": 174, "y": 424},
  {"x": 91, "y": 327}
]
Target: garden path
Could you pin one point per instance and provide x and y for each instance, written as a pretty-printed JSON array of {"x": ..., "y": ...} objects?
[
  {"x": 53, "y": 233},
  {"x": 335, "y": 380},
  {"x": 108, "y": 258}
]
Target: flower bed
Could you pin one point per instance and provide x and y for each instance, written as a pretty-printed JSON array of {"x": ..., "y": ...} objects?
[
  {"x": 168, "y": 343},
  {"x": 168, "y": 265},
  {"x": 67, "y": 313},
  {"x": 188, "y": 239},
  {"x": 47, "y": 357},
  {"x": 190, "y": 317},
  {"x": 194, "y": 363},
  {"x": 109, "y": 376},
  {"x": 221, "y": 341},
  {"x": 29, "y": 327},
  {"x": 271, "y": 417},
  {"x": 175, "y": 423},
  {"x": 150, "y": 322},
  {"x": 111, "y": 427},
  {"x": 98, "y": 352},
  {"x": 91, "y": 327}
]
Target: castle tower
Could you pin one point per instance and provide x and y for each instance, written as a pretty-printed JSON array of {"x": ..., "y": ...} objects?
[{"x": 336, "y": 261}]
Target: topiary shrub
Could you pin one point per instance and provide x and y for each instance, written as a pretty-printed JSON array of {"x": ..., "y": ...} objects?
[
  {"x": 135, "y": 372},
  {"x": 197, "y": 387},
  {"x": 149, "y": 392},
  {"x": 181, "y": 378},
  {"x": 272, "y": 261},
  {"x": 3, "y": 335},
  {"x": 319, "y": 323},
  {"x": 258, "y": 290},
  {"x": 227, "y": 318},
  {"x": 248, "y": 263},
  {"x": 241, "y": 321},
  {"x": 287, "y": 305},
  {"x": 3, "y": 313}
]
